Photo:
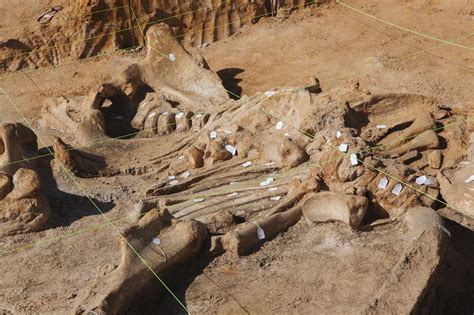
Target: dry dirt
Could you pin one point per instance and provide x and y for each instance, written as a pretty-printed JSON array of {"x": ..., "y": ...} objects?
[{"x": 308, "y": 268}]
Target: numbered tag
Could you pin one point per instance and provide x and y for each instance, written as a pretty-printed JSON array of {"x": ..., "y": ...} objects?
[
  {"x": 383, "y": 183},
  {"x": 343, "y": 147},
  {"x": 354, "y": 160},
  {"x": 397, "y": 189},
  {"x": 260, "y": 234}
]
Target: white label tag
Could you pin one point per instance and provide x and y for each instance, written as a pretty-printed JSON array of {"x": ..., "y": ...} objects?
[
  {"x": 233, "y": 194},
  {"x": 260, "y": 233},
  {"x": 231, "y": 149},
  {"x": 343, "y": 147},
  {"x": 470, "y": 179},
  {"x": 421, "y": 180},
  {"x": 157, "y": 241},
  {"x": 338, "y": 134},
  {"x": 267, "y": 181},
  {"x": 272, "y": 189},
  {"x": 354, "y": 160},
  {"x": 198, "y": 200},
  {"x": 174, "y": 182},
  {"x": 179, "y": 115},
  {"x": 397, "y": 189},
  {"x": 172, "y": 57},
  {"x": 185, "y": 174},
  {"x": 171, "y": 177},
  {"x": 381, "y": 126},
  {"x": 276, "y": 198},
  {"x": 383, "y": 183},
  {"x": 247, "y": 164},
  {"x": 279, "y": 125},
  {"x": 151, "y": 115},
  {"x": 269, "y": 93},
  {"x": 213, "y": 135}
]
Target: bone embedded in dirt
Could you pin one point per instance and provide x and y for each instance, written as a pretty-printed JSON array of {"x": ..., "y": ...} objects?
[
  {"x": 23, "y": 208},
  {"x": 17, "y": 144},
  {"x": 244, "y": 239},
  {"x": 179, "y": 241},
  {"x": 329, "y": 206}
]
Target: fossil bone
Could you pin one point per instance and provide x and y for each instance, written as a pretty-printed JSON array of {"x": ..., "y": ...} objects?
[{"x": 328, "y": 206}]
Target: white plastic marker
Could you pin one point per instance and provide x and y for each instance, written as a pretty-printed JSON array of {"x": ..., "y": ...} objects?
[
  {"x": 260, "y": 231},
  {"x": 172, "y": 57},
  {"x": 213, "y": 135},
  {"x": 338, "y": 134},
  {"x": 421, "y": 180},
  {"x": 233, "y": 194},
  {"x": 276, "y": 198},
  {"x": 270, "y": 163},
  {"x": 343, "y": 147},
  {"x": 164, "y": 114},
  {"x": 179, "y": 115},
  {"x": 157, "y": 241},
  {"x": 287, "y": 134},
  {"x": 185, "y": 174},
  {"x": 272, "y": 189},
  {"x": 174, "y": 182},
  {"x": 172, "y": 177},
  {"x": 231, "y": 149},
  {"x": 397, "y": 189},
  {"x": 247, "y": 164},
  {"x": 383, "y": 183},
  {"x": 269, "y": 93},
  {"x": 198, "y": 200},
  {"x": 381, "y": 126},
  {"x": 354, "y": 160},
  {"x": 151, "y": 115},
  {"x": 279, "y": 125},
  {"x": 424, "y": 180},
  {"x": 266, "y": 182},
  {"x": 470, "y": 179}
]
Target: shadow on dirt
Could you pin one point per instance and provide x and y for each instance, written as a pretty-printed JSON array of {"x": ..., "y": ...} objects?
[
  {"x": 230, "y": 82},
  {"x": 155, "y": 299},
  {"x": 65, "y": 206}
]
